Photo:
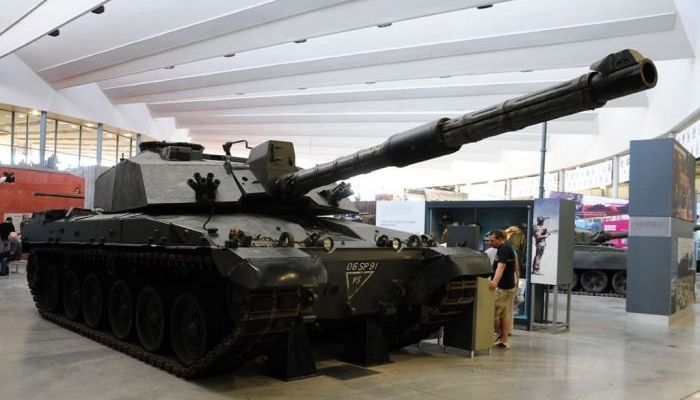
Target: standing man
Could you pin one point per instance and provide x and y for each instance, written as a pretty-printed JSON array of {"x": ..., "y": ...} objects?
[
  {"x": 540, "y": 234},
  {"x": 503, "y": 282},
  {"x": 5, "y": 229}
]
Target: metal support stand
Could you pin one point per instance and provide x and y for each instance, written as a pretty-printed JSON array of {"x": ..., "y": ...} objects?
[
  {"x": 554, "y": 325},
  {"x": 291, "y": 357},
  {"x": 365, "y": 344}
]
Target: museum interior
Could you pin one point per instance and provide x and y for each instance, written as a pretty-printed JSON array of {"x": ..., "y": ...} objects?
[{"x": 349, "y": 199}]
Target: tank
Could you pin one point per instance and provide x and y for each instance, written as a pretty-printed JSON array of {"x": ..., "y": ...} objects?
[
  {"x": 598, "y": 266},
  {"x": 195, "y": 263}
]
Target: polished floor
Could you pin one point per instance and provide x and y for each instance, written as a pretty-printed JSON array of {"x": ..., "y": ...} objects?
[{"x": 606, "y": 355}]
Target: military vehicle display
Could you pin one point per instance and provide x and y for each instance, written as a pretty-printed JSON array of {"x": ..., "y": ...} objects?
[
  {"x": 195, "y": 263},
  {"x": 597, "y": 265}
]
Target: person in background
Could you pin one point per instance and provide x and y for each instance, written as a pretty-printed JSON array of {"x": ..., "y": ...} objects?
[
  {"x": 13, "y": 252},
  {"x": 5, "y": 229},
  {"x": 503, "y": 282}
]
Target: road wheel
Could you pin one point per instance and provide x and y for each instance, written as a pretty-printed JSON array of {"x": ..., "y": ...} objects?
[
  {"x": 71, "y": 295},
  {"x": 151, "y": 320},
  {"x": 594, "y": 281},
  {"x": 619, "y": 282},
  {"x": 121, "y": 310},
  {"x": 93, "y": 301},
  {"x": 192, "y": 328},
  {"x": 51, "y": 293}
]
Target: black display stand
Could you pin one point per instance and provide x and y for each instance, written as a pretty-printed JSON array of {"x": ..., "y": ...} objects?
[{"x": 291, "y": 357}]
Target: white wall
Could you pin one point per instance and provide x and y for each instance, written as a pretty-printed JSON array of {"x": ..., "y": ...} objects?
[{"x": 20, "y": 86}]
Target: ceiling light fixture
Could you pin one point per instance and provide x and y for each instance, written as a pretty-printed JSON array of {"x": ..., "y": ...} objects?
[
  {"x": 484, "y": 6},
  {"x": 169, "y": 67},
  {"x": 525, "y": 70},
  {"x": 370, "y": 83},
  {"x": 54, "y": 33},
  {"x": 445, "y": 76},
  {"x": 301, "y": 88},
  {"x": 228, "y": 55},
  {"x": 300, "y": 41},
  {"x": 98, "y": 10},
  {"x": 384, "y": 25},
  {"x": 89, "y": 125}
]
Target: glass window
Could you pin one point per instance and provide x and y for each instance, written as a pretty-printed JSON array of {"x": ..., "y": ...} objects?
[
  {"x": 21, "y": 135},
  {"x": 109, "y": 149},
  {"x": 88, "y": 146},
  {"x": 67, "y": 147},
  {"x": 124, "y": 146},
  {"x": 5, "y": 137},
  {"x": 133, "y": 146},
  {"x": 31, "y": 155}
]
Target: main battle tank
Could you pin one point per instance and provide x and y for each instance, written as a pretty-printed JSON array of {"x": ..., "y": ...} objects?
[
  {"x": 598, "y": 265},
  {"x": 195, "y": 263}
]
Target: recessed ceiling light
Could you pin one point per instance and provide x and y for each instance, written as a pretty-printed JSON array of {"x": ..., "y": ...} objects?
[
  {"x": 229, "y": 55},
  {"x": 98, "y": 10},
  {"x": 169, "y": 67},
  {"x": 300, "y": 41},
  {"x": 384, "y": 25},
  {"x": 54, "y": 33},
  {"x": 483, "y": 7}
]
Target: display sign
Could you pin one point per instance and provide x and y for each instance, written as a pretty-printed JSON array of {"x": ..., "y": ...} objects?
[
  {"x": 552, "y": 242},
  {"x": 407, "y": 216}
]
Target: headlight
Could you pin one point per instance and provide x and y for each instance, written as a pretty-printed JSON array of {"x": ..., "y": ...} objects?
[
  {"x": 327, "y": 244},
  {"x": 396, "y": 244}
]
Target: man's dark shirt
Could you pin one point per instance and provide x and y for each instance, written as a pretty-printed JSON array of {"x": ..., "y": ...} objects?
[
  {"x": 5, "y": 229},
  {"x": 506, "y": 255}
]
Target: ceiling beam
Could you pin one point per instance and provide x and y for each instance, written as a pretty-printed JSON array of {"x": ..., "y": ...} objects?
[
  {"x": 275, "y": 22},
  {"x": 46, "y": 17}
]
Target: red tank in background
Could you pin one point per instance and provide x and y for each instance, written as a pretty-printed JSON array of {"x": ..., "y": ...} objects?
[{"x": 24, "y": 190}]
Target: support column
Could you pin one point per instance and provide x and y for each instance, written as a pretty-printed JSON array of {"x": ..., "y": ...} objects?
[
  {"x": 12, "y": 140},
  {"x": 98, "y": 156},
  {"x": 138, "y": 143},
  {"x": 42, "y": 140},
  {"x": 562, "y": 180},
  {"x": 543, "y": 150},
  {"x": 616, "y": 177}
]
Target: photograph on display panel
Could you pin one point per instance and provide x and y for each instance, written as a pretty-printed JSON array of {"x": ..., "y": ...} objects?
[
  {"x": 683, "y": 184},
  {"x": 545, "y": 241}
]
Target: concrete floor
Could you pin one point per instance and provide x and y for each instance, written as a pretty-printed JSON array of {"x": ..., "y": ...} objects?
[{"x": 607, "y": 355}]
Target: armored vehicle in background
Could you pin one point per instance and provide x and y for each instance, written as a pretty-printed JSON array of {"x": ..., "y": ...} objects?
[
  {"x": 195, "y": 263},
  {"x": 598, "y": 266}
]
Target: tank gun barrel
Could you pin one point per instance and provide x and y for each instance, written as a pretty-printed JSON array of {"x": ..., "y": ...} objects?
[
  {"x": 603, "y": 236},
  {"x": 614, "y": 76}
]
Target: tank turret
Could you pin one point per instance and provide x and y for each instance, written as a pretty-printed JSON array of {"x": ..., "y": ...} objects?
[
  {"x": 196, "y": 263},
  {"x": 594, "y": 238}
]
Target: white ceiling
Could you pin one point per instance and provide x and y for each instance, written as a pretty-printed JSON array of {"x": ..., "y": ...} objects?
[{"x": 351, "y": 84}]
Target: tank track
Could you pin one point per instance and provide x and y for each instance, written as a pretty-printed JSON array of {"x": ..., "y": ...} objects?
[
  {"x": 451, "y": 303},
  {"x": 256, "y": 329}
]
